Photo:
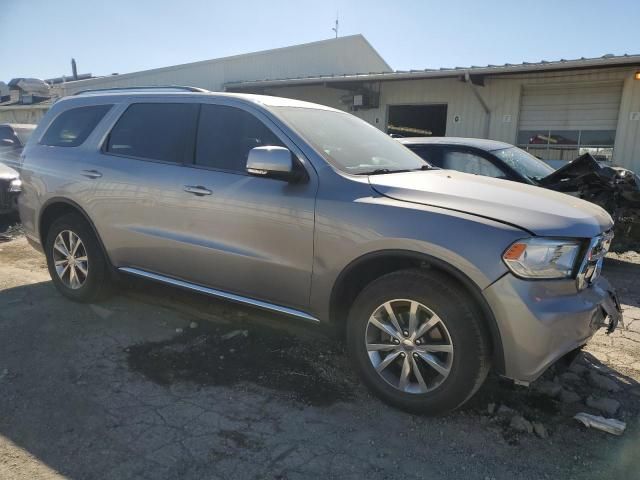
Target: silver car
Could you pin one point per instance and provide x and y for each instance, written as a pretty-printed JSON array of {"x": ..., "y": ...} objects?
[{"x": 435, "y": 276}]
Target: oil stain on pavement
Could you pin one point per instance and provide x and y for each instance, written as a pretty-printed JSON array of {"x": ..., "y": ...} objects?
[{"x": 312, "y": 372}]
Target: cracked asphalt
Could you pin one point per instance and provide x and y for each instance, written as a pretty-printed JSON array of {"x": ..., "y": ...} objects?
[{"x": 128, "y": 389}]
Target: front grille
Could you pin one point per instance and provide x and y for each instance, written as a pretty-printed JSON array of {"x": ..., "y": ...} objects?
[{"x": 594, "y": 257}]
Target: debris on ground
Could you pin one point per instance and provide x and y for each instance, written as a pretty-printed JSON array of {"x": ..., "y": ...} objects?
[
  {"x": 609, "y": 425},
  {"x": 551, "y": 389},
  {"x": 505, "y": 411},
  {"x": 567, "y": 396},
  {"x": 540, "y": 430},
  {"x": 234, "y": 333},
  {"x": 521, "y": 424},
  {"x": 193, "y": 325},
  {"x": 602, "y": 382},
  {"x": 604, "y": 405},
  {"x": 179, "y": 330}
]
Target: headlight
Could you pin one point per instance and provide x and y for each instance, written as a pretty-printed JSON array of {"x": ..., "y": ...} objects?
[
  {"x": 15, "y": 185},
  {"x": 542, "y": 257}
]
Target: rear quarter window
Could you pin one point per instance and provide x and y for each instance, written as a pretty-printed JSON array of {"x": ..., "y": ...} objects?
[{"x": 72, "y": 127}]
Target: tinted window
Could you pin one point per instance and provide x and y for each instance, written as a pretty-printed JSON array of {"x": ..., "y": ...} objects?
[
  {"x": 158, "y": 131},
  {"x": 225, "y": 136},
  {"x": 470, "y": 163},
  {"x": 431, "y": 155},
  {"x": 7, "y": 133},
  {"x": 72, "y": 127}
]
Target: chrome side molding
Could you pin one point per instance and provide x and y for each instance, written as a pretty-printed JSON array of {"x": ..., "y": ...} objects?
[{"x": 219, "y": 293}]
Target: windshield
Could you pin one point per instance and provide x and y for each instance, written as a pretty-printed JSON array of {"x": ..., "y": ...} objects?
[
  {"x": 350, "y": 144},
  {"x": 524, "y": 163}
]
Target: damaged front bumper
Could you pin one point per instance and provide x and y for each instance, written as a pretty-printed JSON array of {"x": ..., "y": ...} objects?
[
  {"x": 612, "y": 312},
  {"x": 542, "y": 321}
]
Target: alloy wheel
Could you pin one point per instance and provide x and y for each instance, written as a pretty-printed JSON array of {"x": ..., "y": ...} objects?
[
  {"x": 70, "y": 259},
  {"x": 409, "y": 346}
]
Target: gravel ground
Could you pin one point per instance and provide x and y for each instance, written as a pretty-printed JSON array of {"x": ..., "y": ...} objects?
[{"x": 161, "y": 384}]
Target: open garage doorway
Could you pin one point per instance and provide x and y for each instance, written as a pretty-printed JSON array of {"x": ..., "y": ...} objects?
[{"x": 417, "y": 120}]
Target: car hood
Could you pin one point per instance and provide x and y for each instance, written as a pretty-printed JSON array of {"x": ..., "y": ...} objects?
[
  {"x": 537, "y": 210},
  {"x": 7, "y": 173}
]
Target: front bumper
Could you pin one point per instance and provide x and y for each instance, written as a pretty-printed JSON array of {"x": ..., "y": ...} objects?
[{"x": 541, "y": 321}]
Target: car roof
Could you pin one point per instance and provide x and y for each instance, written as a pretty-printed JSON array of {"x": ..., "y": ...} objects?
[
  {"x": 265, "y": 100},
  {"x": 481, "y": 143}
]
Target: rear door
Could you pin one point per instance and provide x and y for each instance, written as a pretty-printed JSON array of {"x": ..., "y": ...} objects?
[
  {"x": 137, "y": 204},
  {"x": 247, "y": 235}
]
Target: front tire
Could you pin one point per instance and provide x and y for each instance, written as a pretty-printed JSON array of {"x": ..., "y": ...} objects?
[
  {"x": 75, "y": 260},
  {"x": 418, "y": 342}
]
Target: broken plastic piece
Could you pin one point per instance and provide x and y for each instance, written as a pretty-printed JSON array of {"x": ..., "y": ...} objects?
[{"x": 609, "y": 425}]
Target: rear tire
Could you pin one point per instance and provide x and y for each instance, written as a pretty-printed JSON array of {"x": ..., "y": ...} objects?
[
  {"x": 431, "y": 364},
  {"x": 76, "y": 261}
]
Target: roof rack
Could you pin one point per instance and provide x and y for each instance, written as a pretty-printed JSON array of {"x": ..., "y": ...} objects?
[{"x": 165, "y": 88}]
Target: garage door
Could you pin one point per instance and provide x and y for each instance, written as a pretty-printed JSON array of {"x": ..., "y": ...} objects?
[{"x": 559, "y": 122}]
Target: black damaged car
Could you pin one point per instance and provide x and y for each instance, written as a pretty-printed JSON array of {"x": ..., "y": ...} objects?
[{"x": 615, "y": 189}]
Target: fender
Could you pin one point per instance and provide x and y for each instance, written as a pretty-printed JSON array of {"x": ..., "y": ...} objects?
[
  {"x": 79, "y": 209},
  {"x": 467, "y": 283}
]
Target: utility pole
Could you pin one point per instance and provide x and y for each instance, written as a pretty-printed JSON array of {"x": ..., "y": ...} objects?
[{"x": 335, "y": 29}]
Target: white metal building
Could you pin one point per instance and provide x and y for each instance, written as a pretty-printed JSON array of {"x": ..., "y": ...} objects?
[
  {"x": 556, "y": 110},
  {"x": 344, "y": 55}
]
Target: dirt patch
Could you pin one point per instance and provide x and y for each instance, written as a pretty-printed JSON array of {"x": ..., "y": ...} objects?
[{"x": 314, "y": 373}]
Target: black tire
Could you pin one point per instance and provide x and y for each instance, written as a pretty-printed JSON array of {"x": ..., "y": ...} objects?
[
  {"x": 470, "y": 361},
  {"x": 97, "y": 284}
]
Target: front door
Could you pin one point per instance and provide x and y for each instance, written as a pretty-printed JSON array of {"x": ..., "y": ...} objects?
[{"x": 247, "y": 235}]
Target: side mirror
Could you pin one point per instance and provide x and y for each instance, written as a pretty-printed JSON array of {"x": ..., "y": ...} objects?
[
  {"x": 5, "y": 142},
  {"x": 273, "y": 162}
]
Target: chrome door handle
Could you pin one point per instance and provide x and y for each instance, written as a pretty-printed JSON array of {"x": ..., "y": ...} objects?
[
  {"x": 197, "y": 190},
  {"x": 91, "y": 174}
]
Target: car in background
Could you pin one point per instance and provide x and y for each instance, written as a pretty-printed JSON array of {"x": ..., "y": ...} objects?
[
  {"x": 13, "y": 137},
  {"x": 481, "y": 157},
  {"x": 615, "y": 189}
]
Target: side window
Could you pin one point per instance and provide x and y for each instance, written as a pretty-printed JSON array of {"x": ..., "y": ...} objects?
[
  {"x": 157, "y": 131},
  {"x": 225, "y": 136},
  {"x": 71, "y": 128},
  {"x": 7, "y": 133},
  {"x": 432, "y": 155},
  {"x": 470, "y": 163}
]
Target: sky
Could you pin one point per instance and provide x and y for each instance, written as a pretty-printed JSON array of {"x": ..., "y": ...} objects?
[{"x": 38, "y": 38}]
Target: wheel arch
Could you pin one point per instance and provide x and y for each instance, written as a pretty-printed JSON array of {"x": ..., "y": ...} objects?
[
  {"x": 361, "y": 271},
  {"x": 56, "y": 207}
]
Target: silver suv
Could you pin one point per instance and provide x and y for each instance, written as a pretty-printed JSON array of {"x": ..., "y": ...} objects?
[{"x": 437, "y": 276}]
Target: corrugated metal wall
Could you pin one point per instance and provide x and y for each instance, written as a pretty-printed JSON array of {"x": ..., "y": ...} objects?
[
  {"x": 503, "y": 95},
  {"x": 570, "y": 106}
]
